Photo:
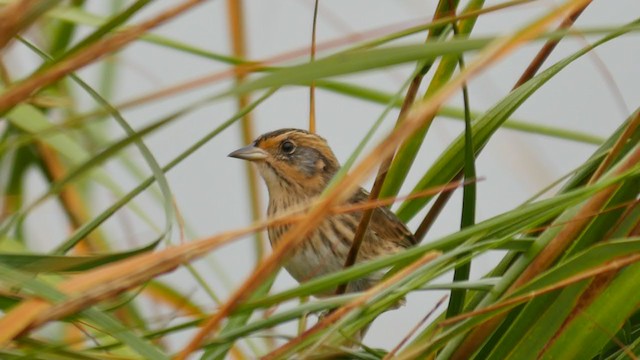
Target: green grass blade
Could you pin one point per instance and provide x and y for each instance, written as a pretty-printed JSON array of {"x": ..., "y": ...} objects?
[
  {"x": 455, "y": 113},
  {"x": 101, "y": 319},
  {"x": 144, "y": 150},
  {"x": 462, "y": 272},
  {"x": 357, "y": 61},
  {"x": 102, "y": 217},
  {"x": 56, "y": 263},
  {"x": 586, "y": 334},
  {"x": 408, "y": 150},
  {"x": 451, "y": 161}
]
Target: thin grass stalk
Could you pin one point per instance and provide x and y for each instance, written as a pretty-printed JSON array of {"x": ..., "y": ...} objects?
[
  {"x": 360, "y": 301},
  {"x": 144, "y": 150},
  {"x": 98, "y": 220},
  {"x": 348, "y": 184},
  {"x": 312, "y": 86},
  {"x": 441, "y": 11},
  {"x": 238, "y": 41},
  {"x": 391, "y": 354},
  {"x": 548, "y": 47},
  {"x": 159, "y": 291},
  {"x": 14, "y": 189},
  {"x": 5, "y": 78},
  {"x": 265, "y": 65},
  {"x": 435, "y": 210}
]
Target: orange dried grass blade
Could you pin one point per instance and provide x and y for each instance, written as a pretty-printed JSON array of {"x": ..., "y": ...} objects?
[
  {"x": 70, "y": 199},
  {"x": 617, "y": 147},
  {"x": 611, "y": 266},
  {"x": 238, "y": 37},
  {"x": 358, "y": 302},
  {"x": 249, "y": 67},
  {"x": 497, "y": 50},
  {"x": 264, "y": 269},
  {"x": 547, "y": 256},
  {"x": 12, "y": 19},
  {"x": 529, "y": 73},
  {"x": 383, "y": 170},
  {"x": 86, "y": 289},
  {"x": 92, "y": 286},
  {"x": 548, "y": 47},
  {"x": 376, "y": 203},
  {"x": 20, "y": 91}
]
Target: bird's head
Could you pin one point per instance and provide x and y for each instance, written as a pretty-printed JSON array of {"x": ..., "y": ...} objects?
[{"x": 291, "y": 160}]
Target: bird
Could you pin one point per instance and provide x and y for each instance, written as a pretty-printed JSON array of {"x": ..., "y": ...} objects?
[{"x": 296, "y": 166}]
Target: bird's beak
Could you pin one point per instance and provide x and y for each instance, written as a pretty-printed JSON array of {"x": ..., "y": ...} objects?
[{"x": 250, "y": 152}]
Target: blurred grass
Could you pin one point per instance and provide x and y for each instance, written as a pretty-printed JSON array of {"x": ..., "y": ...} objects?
[{"x": 566, "y": 287}]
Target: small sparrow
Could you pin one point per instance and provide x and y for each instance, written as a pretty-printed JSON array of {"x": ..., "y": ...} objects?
[{"x": 297, "y": 165}]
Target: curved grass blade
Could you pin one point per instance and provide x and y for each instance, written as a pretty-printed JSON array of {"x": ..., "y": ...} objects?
[
  {"x": 100, "y": 218},
  {"x": 31, "y": 120},
  {"x": 144, "y": 150}
]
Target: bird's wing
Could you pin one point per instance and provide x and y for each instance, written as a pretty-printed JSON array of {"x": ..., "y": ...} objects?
[{"x": 385, "y": 225}]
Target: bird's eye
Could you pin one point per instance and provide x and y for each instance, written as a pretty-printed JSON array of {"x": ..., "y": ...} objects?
[{"x": 288, "y": 147}]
